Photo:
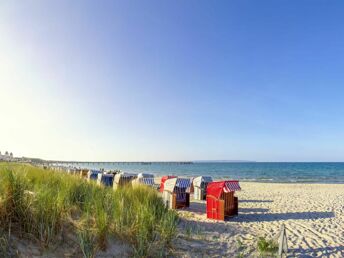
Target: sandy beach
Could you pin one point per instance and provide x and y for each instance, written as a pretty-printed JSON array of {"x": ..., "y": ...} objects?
[{"x": 312, "y": 213}]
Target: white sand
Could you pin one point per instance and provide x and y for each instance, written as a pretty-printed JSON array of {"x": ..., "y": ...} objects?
[{"x": 312, "y": 213}]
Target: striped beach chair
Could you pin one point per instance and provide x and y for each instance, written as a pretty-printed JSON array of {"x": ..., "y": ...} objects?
[
  {"x": 123, "y": 179},
  {"x": 175, "y": 194},
  {"x": 200, "y": 187},
  {"x": 93, "y": 175},
  {"x": 144, "y": 179},
  {"x": 105, "y": 179},
  {"x": 221, "y": 202}
]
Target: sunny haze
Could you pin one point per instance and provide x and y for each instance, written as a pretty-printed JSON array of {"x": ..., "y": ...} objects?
[{"x": 172, "y": 80}]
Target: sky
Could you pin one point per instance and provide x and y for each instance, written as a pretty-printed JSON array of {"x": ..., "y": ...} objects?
[{"x": 172, "y": 80}]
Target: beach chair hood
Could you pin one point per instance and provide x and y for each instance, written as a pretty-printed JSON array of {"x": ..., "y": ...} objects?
[
  {"x": 217, "y": 188},
  {"x": 198, "y": 180},
  {"x": 93, "y": 174},
  {"x": 163, "y": 180},
  {"x": 107, "y": 179},
  {"x": 144, "y": 175},
  {"x": 146, "y": 179},
  {"x": 124, "y": 176},
  {"x": 172, "y": 183}
]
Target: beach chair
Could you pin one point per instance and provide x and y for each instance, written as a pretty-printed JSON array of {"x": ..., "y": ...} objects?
[
  {"x": 144, "y": 179},
  {"x": 221, "y": 202},
  {"x": 192, "y": 188},
  {"x": 93, "y": 175},
  {"x": 200, "y": 187},
  {"x": 105, "y": 179},
  {"x": 162, "y": 182},
  {"x": 123, "y": 179},
  {"x": 175, "y": 195},
  {"x": 83, "y": 173}
]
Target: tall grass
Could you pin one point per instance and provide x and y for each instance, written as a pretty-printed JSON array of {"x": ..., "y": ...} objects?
[{"x": 40, "y": 203}]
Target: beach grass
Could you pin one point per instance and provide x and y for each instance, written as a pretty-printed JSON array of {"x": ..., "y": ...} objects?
[
  {"x": 267, "y": 246},
  {"x": 42, "y": 204}
]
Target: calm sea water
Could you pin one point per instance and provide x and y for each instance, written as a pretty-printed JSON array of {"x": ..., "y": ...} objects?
[{"x": 255, "y": 171}]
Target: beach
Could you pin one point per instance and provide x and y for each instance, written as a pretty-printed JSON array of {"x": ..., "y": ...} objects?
[{"x": 312, "y": 213}]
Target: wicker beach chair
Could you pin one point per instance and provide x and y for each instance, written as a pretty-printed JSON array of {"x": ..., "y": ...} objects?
[
  {"x": 175, "y": 193},
  {"x": 221, "y": 201},
  {"x": 200, "y": 187}
]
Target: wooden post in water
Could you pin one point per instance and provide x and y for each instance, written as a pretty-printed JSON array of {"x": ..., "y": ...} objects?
[{"x": 282, "y": 242}]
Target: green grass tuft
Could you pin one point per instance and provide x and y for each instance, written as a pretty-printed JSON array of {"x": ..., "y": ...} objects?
[{"x": 267, "y": 246}]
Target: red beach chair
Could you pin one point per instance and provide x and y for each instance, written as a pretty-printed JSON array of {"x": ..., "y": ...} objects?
[{"x": 221, "y": 201}]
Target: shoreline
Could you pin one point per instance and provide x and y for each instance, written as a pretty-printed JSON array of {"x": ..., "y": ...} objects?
[{"x": 269, "y": 172}]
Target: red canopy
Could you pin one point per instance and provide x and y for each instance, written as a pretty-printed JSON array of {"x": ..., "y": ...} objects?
[{"x": 216, "y": 188}]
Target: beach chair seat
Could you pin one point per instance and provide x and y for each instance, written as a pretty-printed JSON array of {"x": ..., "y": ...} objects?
[{"x": 181, "y": 197}]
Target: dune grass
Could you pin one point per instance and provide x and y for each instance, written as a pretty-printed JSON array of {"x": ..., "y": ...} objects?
[
  {"x": 267, "y": 247},
  {"x": 43, "y": 203}
]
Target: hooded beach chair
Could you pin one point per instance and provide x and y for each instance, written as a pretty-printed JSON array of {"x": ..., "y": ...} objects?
[
  {"x": 123, "y": 179},
  {"x": 105, "y": 179},
  {"x": 93, "y": 175},
  {"x": 83, "y": 173},
  {"x": 200, "y": 184},
  {"x": 221, "y": 201},
  {"x": 175, "y": 193},
  {"x": 144, "y": 179},
  {"x": 162, "y": 182}
]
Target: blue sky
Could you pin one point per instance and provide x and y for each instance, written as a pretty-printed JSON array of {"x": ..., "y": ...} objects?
[{"x": 172, "y": 80}]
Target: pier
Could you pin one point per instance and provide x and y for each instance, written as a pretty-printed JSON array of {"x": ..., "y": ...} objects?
[{"x": 119, "y": 162}]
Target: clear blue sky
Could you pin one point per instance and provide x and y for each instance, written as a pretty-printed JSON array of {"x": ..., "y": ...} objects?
[{"x": 173, "y": 80}]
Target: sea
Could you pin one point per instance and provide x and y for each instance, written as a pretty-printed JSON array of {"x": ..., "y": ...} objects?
[{"x": 279, "y": 172}]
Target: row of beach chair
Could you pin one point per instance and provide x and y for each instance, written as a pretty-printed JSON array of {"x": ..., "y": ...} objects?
[
  {"x": 114, "y": 178},
  {"x": 220, "y": 198}
]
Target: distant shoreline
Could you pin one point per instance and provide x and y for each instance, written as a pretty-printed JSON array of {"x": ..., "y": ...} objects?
[{"x": 273, "y": 172}]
